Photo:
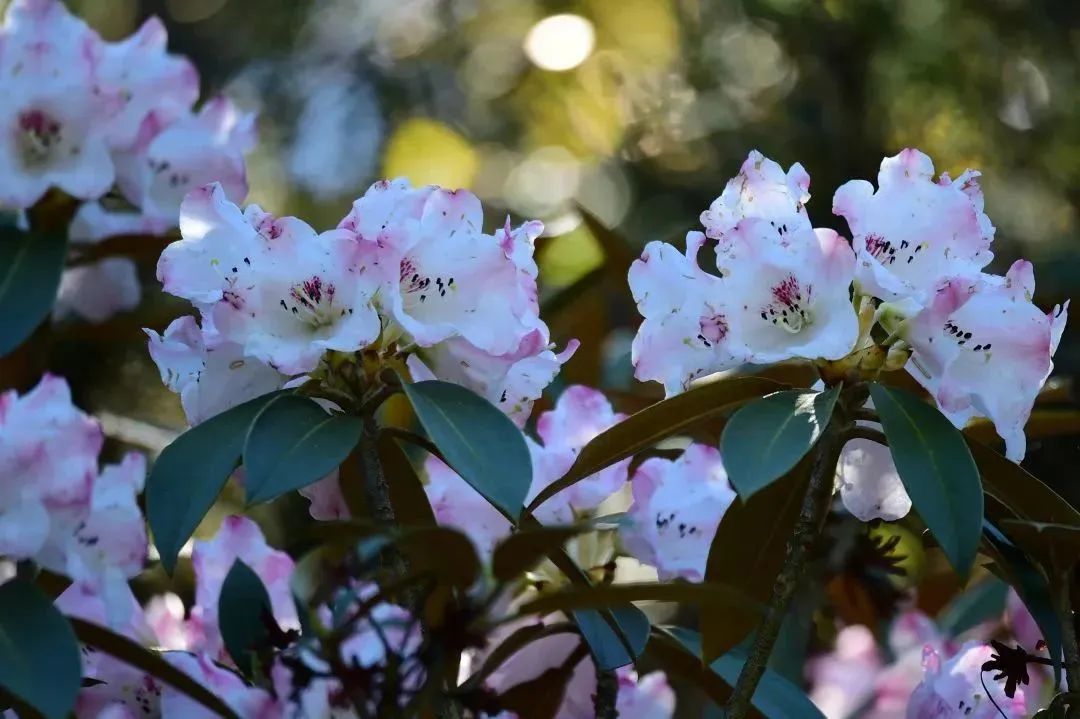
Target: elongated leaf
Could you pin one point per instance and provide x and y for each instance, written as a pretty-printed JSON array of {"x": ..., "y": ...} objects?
[
  {"x": 764, "y": 440},
  {"x": 407, "y": 495},
  {"x": 608, "y": 650},
  {"x": 676, "y": 661},
  {"x": 1057, "y": 544},
  {"x": 1033, "y": 589},
  {"x": 979, "y": 603},
  {"x": 153, "y": 663},
  {"x": 664, "y": 419},
  {"x": 244, "y": 615},
  {"x": 541, "y": 697},
  {"x": 522, "y": 550},
  {"x": 1021, "y": 492},
  {"x": 292, "y": 443},
  {"x": 775, "y": 697},
  {"x": 189, "y": 474},
  {"x": 444, "y": 553},
  {"x": 937, "y": 470},
  {"x": 747, "y": 552},
  {"x": 518, "y": 640},
  {"x": 478, "y": 441},
  {"x": 30, "y": 267},
  {"x": 39, "y": 657}
]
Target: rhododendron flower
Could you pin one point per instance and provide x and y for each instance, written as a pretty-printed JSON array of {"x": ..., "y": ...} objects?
[
  {"x": 789, "y": 292},
  {"x": 209, "y": 379},
  {"x": 762, "y": 190},
  {"x": 954, "y": 688},
  {"x": 977, "y": 331},
  {"x": 245, "y": 700},
  {"x": 456, "y": 504},
  {"x": 580, "y": 414},
  {"x": 169, "y": 159},
  {"x": 687, "y": 318},
  {"x": 327, "y": 502},
  {"x": 843, "y": 681},
  {"x": 52, "y": 129},
  {"x": 238, "y": 538},
  {"x": 647, "y": 697},
  {"x": 913, "y": 232},
  {"x": 677, "y": 507},
  {"x": 274, "y": 287},
  {"x": 870, "y": 486}
]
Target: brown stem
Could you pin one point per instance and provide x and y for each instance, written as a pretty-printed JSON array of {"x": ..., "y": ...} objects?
[
  {"x": 811, "y": 519},
  {"x": 1060, "y": 585},
  {"x": 607, "y": 693},
  {"x": 376, "y": 488},
  {"x": 874, "y": 435}
]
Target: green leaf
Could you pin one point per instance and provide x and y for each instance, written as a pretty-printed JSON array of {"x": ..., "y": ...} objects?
[
  {"x": 1057, "y": 544},
  {"x": 977, "y": 604},
  {"x": 30, "y": 268},
  {"x": 1024, "y": 494},
  {"x": 713, "y": 597},
  {"x": 657, "y": 422},
  {"x": 937, "y": 470},
  {"x": 518, "y": 640},
  {"x": 244, "y": 615},
  {"x": 748, "y": 551},
  {"x": 190, "y": 473},
  {"x": 607, "y": 648},
  {"x": 1032, "y": 588},
  {"x": 446, "y": 554},
  {"x": 764, "y": 440},
  {"x": 477, "y": 440},
  {"x": 39, "y": 656},
  {"x": 292, "y": 443},
  {"x": 775, "y": 696},
  {"x": 675, "y": 660},
  {"x": 522, "y": 550},
  {"x": 153, "y": 663}
]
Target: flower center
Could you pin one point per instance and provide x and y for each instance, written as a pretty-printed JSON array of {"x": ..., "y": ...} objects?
[
  {"x": 418, "y": 287},
  {"x": 312, "y": 302},
  {"x": 713, "y": 329},
  {"x": 39, "y": 138},
  {"x": 790, "y": 306},
  {"x": 964, "y": 338}
]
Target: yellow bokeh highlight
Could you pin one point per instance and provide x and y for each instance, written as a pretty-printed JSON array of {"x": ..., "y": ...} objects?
[
  {"x": 427, "y": 151},
  {"x": 569, "y": 257}
]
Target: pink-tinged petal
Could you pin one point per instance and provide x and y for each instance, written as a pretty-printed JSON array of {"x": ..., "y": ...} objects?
[
  {"x": 975, "y": 331},
  {"x": 97, "y": 291},
  {"x": 953, "y": 689},
  {"x": 327, "y": 502},
  {"x": 790, "y": 292},
  {"x": 44, "y": 40},
  {"x": 844, "y": 680},
  {"x": 239, "y": 538},
  {"x": 913, "y": 231},
  {"x": 911, "y": 631},
  {"x": 763, "y": 190},
  {"x": 677, "y": 507},
  {"x": 870, "y": 486},
  {"x": 245, "y": 700},
  {"x": 1021, "y": 623},
  {"x": 24, "y": 527},
  {"x": 686, "y": 332},
  {"x": 456, "y": 504},
  {"x": 165, "y": 615},
  {"x": 137, "y": 76}
]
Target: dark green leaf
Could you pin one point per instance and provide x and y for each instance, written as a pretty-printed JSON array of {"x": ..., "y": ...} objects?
[
  {"x": 478, "y": 441},
  {"x": 541, "y": 697},
  {"x": 244, "y": 615},
  {"x": 713, "y": 597},
  {"x": 1024, "y": 494},
  {"x": 30, "y": 268},
  {"x": 189, "y": 474},
  {"x": 607, "y": 648},
  {"x": 664, "y": 419},
  {"x": 522, "y": 550},
  {"x": 446, "y": 554},
  {"x": 153, "y": 663},
  {"x": 39, "y": 656},
  {"x": 977, "y": 604},
  {"x": 407, "y": 496},
  {"x": 775, "y": 697},
  {"x": 764, "y": 440},
  {"x": 748, "y": 551},
  {"x": 518, "y": 640},
  {"x": 1057, "y": 544},
  {"x": 676, "y": 661},
  {"x": 937, "y": 470},
  {"x": 1033, "y": 589},
  {"x": 292, "y": 443}
]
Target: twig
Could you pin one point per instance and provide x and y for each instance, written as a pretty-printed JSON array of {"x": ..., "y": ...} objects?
[
  {"x": 415, "y": 439},
  {"x": 1062, "y": 601},
  {"x": 607, "y": 693},
  {"x": 874, "y": 435},
  {"x": 811, "y": 519}
]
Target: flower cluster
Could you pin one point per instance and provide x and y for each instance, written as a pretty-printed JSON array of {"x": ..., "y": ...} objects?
[
  {"x": 408, "y": 273},
  {"x": 57, "y": 507},
  {"x": 783, "y": 289},
  {"x": 86, "y": 116}
]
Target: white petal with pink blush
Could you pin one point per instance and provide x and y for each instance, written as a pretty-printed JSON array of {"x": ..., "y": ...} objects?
[{"x": 762, "y": 189}]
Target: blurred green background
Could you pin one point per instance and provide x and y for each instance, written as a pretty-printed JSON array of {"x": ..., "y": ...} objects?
[{"x": 639, "y": 111}]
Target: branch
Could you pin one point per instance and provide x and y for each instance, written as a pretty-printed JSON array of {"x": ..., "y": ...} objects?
[
  {"x": 606, "y": 697},
  {"x": 811, "y": 519},
  {"x": 1063, "y": 607},
  {"x": 874, "y": 435},
  {"x": 415, "y": 439}
]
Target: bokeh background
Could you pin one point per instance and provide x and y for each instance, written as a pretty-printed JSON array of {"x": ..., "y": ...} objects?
[{"x": 638, "y": 111}]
